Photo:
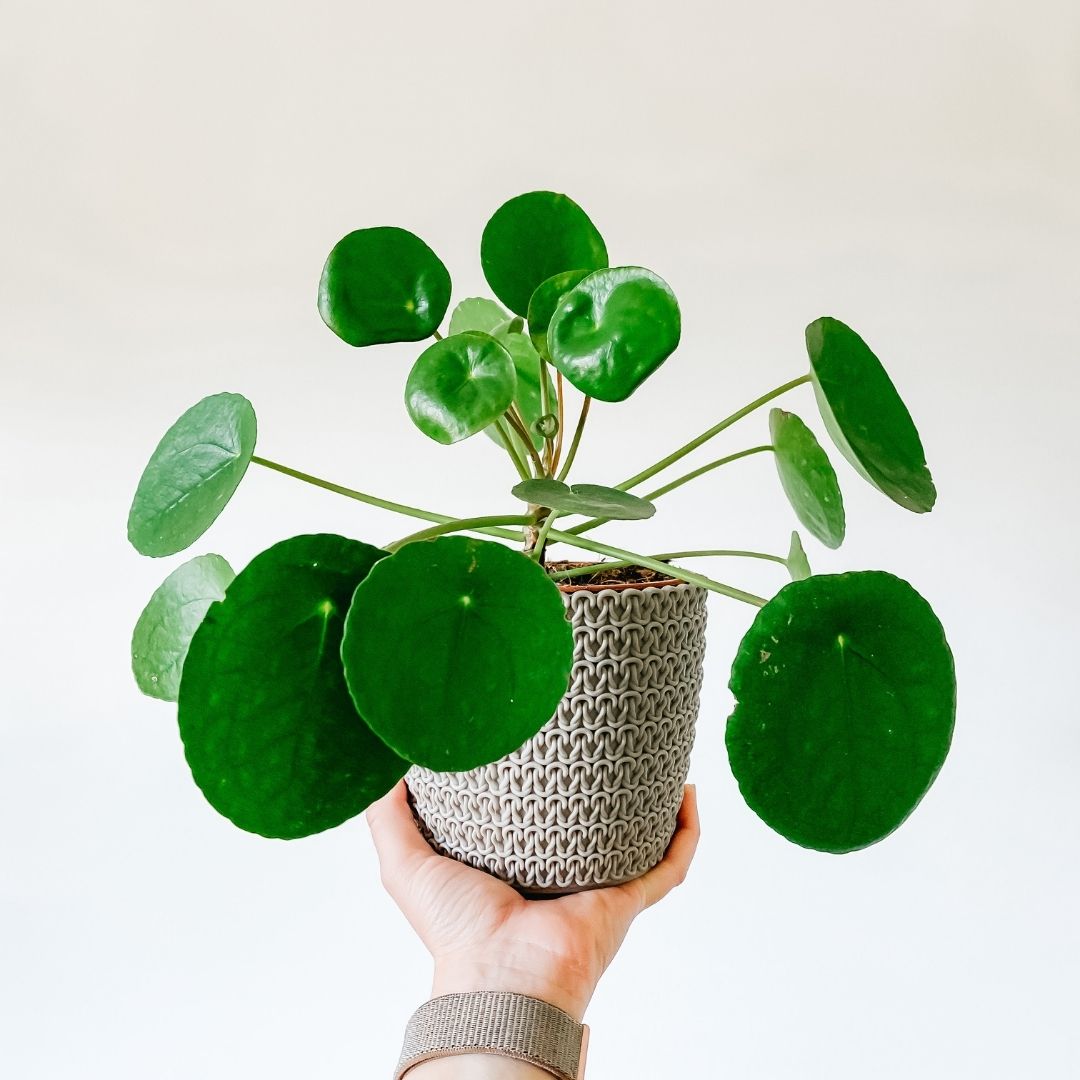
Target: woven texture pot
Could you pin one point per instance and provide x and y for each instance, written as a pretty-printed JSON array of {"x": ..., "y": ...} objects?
[{"x": 592, "y": 799}]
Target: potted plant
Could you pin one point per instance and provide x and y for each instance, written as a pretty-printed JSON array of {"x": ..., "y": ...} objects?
[{"x": 543, "y": 710}]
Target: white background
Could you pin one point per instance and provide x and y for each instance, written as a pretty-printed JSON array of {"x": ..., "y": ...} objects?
[{"x": 173, "y": 176}]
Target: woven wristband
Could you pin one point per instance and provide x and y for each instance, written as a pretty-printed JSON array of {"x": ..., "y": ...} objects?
[{"x": 494, "y": 1022}]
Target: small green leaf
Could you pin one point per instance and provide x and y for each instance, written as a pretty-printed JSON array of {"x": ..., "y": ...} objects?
[
  {"x": 456, "y": 651},
  {"x": 545, "y": 299},
  {"x": 547, "y": 425},
  {"x": 192, "y": 475},
  {"x": 797, "y": 563},
  {"x": 383, "y": 284},
  {"x": 592, "y": 499},
  {"x": 865, "y": 416},
  {"x": 807, "y": 477},
  {"x": 460, "y": 385},
  {"x": 845, "y": 698},
  {"x": 269, "y": 728},
  {"x": 165, "y": 627},
  {"x": 527, "y": 391},
  {"x": 478, "y": 313},
  {"x": 613, "y": 330},
  {"x": 533, "y": 237}
]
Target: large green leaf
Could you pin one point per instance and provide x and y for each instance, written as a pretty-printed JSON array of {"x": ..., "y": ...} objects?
[
  {"x": 845, "y": 697},
  {"x": 165, "y": 627},
  {"x": 456, "y": 651},
  {"x": 592, "y": 499},
  {"x": 866, "y": 417},
  {"x": 460, "y": 385},
  {"x": 807, "y": 477},
  {"x": 545, "y": 299},
  {"x": 383, "y": 284},
  {"x": 477, "y": 313},
  {"x": 531, "y": 238},
  {"x": 192, "y": 474},
  {"x": 613, "y": 330},
  {"x": 269, "y": 728}
]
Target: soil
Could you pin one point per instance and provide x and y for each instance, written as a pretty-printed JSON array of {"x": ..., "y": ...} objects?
[{"x": 617, "y": 575}]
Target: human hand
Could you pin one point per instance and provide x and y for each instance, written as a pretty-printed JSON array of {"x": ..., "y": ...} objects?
[{"x": 483, "y": 935}]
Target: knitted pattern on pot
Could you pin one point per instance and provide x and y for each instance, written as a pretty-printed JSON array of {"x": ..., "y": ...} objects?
[{"x": 592, "y": 799}]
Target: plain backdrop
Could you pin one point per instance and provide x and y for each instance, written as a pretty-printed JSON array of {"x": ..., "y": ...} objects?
[{"x": 172, "y": 178}]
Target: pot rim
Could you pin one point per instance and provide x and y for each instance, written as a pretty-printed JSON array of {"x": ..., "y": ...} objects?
[{"x": 622, "y": 586}]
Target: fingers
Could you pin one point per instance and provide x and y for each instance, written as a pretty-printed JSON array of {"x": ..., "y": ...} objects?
[
  {"x": 673, "y": 868},
  {"x": 398, "y": 841}
]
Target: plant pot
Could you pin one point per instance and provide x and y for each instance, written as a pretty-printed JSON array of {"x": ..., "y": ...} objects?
[{"x": 592, "y": 799}]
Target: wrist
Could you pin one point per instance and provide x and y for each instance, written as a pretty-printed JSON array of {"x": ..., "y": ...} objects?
[
  {"x": 495, "y": 1034},
  {"x": 560, "y": 985}
]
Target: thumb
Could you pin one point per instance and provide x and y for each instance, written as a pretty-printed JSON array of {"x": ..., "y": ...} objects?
[{"x": 398, "y": 842}]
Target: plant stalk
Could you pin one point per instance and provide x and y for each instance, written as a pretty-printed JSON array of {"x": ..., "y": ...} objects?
[
  {"x": 508, "y": 446},
  {"x": 537, "y": 551},
  {"x": 470, "y": 524},
  {"x": 582, "y": 571},
  {"x": 593, "y": 523},
  {"x": 372, "y": 500},
  {"x": 560, "y": 406},
  {"x": 705, "y": 436},
  {"x": 513, "y": 417},
  {"x": 662, "y": 567},
  {"x": 705, "y": 469},
  {"x": 545, "y": 409},
  {"x": 572, "y": 453}
]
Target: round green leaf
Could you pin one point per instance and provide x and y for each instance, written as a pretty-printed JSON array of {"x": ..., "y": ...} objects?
[
  {"x": 807, "y": 477},
  {"x": 456, "y": 651},
  {"x": 545, "y": 299},
  {"x": 165, "y": 627},
  {"x": 613, "y": 330},
  {"x": 477, "y": 313},
  {"x": 383, "y": 284},
  {"x": 845, "y": 697},
  {"x": 797, "y": 563},
  {"x": 460, "y": 385},
  {"x": 269, "y": 728},
  {"x": 865, "y": 416},
  {"x": 531, "y": 238},
  {"x": 592, "y": 499},
  {"x": 192, "y": 474}
]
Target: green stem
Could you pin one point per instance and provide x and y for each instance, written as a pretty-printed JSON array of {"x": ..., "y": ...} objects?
[
  {"x": 703, "y": 470},
  {"x": 471, "y": 524},
  {"x": 592, "y": 523},
  {"x": 508, "y": 446},
  {"x": 513, "y": 417},
  {"x": 705, "y": 436},
  {"x": 572, "y": 452},
  {"x": 372, "y": 500},
  {"x": 655, "y": 564},
  {"x": 541, "y": 540},
  {"x": 581, "y": 571},
  {"x": 436, "y": 335},
  {"x": 545, "y": 410}
]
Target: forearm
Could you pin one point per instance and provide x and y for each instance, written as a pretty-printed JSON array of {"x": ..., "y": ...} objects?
[{"x": 476, "y": 1067}]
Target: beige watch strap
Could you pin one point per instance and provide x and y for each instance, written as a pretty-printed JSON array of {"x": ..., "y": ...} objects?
[{"x": 495, "y": 1022}]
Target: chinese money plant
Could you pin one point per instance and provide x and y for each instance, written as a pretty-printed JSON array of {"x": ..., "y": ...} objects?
[{"x": 307, "y": 683}]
